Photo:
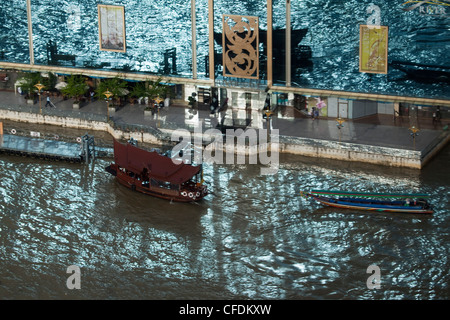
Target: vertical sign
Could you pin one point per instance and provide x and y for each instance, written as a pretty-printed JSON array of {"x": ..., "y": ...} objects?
[
  {"x": 111, "y": 28},
  {"x": 240, "y": 41},
  {"x": 373, "y": 49}
]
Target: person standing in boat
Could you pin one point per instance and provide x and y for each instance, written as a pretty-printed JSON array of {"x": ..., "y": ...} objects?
[{"x": 407, "y": 202}]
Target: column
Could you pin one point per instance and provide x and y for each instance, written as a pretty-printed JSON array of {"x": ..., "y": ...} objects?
[
  {"x": 269, "y": 44},
  {"x": 194, "y": 39},
  {"x": 288, "y": 43},
  {"x": 30, "y": 32},
  {"x": 211, "y": 39}
]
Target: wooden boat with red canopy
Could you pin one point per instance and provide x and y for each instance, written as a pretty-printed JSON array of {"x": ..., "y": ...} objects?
[{"x": 155, "y": 174}]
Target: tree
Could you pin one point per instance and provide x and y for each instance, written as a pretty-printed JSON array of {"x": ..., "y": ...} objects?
[
  {"x": 76, "y": 88},
  {"x": 49, "y": 81},
  {"x": 139, "y": 90},
  {"x": 28, "y": 82},
  {"x": 116, "y": 85},
  {"x": 150, "y": 89},
  {"x": 157, "y": 89}
]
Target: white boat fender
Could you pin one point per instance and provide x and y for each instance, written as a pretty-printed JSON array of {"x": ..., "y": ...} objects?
[
  {"x": 191, "y": 194},
  {"x": 184, "y": 193}
]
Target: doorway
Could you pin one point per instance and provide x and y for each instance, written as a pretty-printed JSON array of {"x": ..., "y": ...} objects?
[{"x": 342, "y": 109}]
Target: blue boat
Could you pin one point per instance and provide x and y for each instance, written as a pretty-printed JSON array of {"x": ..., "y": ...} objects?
[{"x": 380, "y": 202}]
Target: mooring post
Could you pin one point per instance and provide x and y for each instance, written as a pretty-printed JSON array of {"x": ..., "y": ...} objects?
[{"x": 88, "y": 147}]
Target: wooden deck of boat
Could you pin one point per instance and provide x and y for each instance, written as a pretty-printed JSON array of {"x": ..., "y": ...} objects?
[{"x": 40, "y": 148}]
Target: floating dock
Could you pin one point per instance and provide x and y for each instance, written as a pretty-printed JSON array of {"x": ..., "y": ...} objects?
[{"x": 40, "y": 148}]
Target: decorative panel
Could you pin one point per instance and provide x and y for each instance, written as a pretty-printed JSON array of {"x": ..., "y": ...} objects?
[
  {"x": 373, "y": 49},
  {"x": 240, "y": 41}
]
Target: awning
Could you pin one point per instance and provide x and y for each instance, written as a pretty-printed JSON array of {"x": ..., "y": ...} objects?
[{"x": 158, "y": 166}]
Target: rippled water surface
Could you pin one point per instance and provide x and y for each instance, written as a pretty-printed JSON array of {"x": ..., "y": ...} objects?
[
  {"x": 253, "y": 237},
  {"x": 154, "y": 26}
]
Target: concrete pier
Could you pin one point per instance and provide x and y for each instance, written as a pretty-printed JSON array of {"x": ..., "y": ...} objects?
[
  {"x": 40, "y": 148},
  {"x": 376, "y": 140}
]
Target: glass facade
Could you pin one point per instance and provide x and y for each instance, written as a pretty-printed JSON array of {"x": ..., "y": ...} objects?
[
  {"x": 324, "y": 40},
  {"x": 14, "y": 32}
]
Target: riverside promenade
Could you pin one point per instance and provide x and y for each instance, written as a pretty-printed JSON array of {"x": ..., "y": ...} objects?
[{"x": 376, "y": 139}]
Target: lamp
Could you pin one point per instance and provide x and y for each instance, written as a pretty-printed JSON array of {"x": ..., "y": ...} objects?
[
  {"x": 108, "y": 95},
  {"x": 414, "y": 133},
  {"x": 340, "y": 126},
  {"x": 39, "y": 86}
]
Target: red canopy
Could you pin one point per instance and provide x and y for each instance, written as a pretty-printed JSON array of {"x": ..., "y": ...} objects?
[{"x": 159, "y": 167}]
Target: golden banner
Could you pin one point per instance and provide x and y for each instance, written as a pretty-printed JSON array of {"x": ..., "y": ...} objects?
[{"x": 373, "y": 49}]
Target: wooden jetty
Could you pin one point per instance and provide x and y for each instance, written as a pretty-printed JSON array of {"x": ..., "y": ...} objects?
[{"x": 43, "y": 149}]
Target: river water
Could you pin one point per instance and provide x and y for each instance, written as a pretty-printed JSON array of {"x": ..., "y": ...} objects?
[{"x": 254, "y": 237}]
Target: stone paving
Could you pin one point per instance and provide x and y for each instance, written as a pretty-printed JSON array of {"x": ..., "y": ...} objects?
[{"x": 378, "y": 130}]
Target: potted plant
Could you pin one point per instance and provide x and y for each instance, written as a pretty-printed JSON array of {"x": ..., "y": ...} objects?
[
  {"x": 75, "y": 89},
  {"x": 157, "y": 89},
  {"x": 192, "y": 101},
  {"x": 151, "y": 89},
  {"x": 28, "y": 82},
  {"x": 118, "y": 89},
  {"x": 139, "y": 91}
]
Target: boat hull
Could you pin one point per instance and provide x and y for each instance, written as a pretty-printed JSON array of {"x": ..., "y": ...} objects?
[
  {"x": 372, "y": 201},
  {"x": 386, "y": 208},
  {"x": 193, "y": 193}
]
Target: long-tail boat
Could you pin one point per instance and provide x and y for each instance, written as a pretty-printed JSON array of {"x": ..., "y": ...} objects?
[
  {"x": 372, "y": 201},
  {"x": 156, "y": 174}
]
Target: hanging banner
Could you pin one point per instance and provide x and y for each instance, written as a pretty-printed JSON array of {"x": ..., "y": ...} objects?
[
  {"x": 111, "y": 27},
  {"x": 240, "y": 41},
  {"x": 373, "y": 49}
]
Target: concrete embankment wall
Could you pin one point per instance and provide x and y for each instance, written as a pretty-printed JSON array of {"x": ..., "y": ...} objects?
[
  {"x": 335, "y": 150},
  {"x": 77, "y": 123},
  {"x": 351, "y": 152}
]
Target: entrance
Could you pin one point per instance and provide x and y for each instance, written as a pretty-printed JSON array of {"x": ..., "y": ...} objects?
[
  {"x": 342, "y": 108},
  {"x": 204, "y": 97}
]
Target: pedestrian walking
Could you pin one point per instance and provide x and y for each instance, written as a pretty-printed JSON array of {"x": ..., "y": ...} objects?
[{"x": 49, "y": 103}]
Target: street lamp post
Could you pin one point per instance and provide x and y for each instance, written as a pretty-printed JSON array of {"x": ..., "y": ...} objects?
[
  {"x": 108, "y": 95},
  {"x": 39, "y": 86},
  {"x": 340, "y": 126},
  {"x": 158, "y": 101},
  {"x": 414, "y": 133},
  {"x": 269, "y": 114}
]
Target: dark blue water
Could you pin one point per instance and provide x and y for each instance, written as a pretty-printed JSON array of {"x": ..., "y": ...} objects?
[
  {"x": 154, "y": 26},
  {"x": 254, "y": 237}
]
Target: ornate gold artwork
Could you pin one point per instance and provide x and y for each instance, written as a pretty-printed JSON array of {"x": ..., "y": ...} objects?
[
  {"x": 373, "y": 49},
  {"x": 240, "y": 40}
]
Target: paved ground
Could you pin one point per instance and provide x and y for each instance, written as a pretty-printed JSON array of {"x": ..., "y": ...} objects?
[{"x": 378, "y": 130}]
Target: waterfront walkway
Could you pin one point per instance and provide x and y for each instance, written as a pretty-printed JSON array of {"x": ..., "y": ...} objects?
[{"x": 377, "y": 130}]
